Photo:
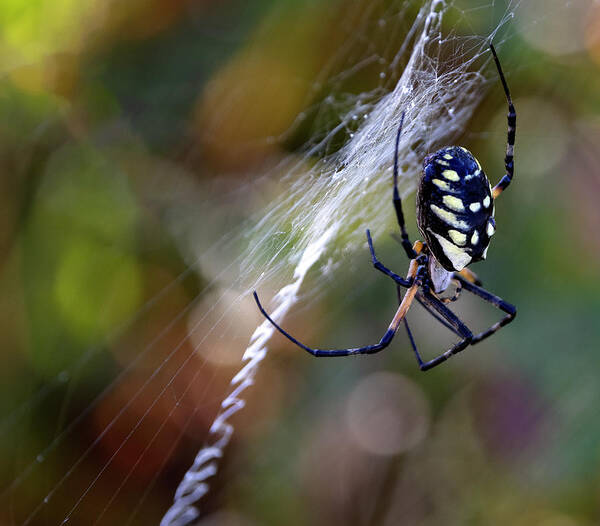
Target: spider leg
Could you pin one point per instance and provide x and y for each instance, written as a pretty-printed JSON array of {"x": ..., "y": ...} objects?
[
  {"x": 379, "y": 266},
  {"x": 512, "y": 126},
  {"x": 439, "y": 319},
  {"x": 510, "y": 310},
  {"x": 456, "y": 294},
  {"x": 469, "y": 275},
  {"x": 437, "y": 316},
  {"x": 460, "y": 328},
  {"x": 367, "y": 349},
  {"x": 408, "y": 331},
  {"x": 412, "y": 341},
  {"x": 408, "y": 248}
]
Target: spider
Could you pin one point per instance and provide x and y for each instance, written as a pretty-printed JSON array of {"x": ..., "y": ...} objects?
[{"x": 455, "y": 215}]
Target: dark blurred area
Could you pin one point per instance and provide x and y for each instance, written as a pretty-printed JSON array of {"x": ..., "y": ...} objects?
[{"x": 117, "y": 117}]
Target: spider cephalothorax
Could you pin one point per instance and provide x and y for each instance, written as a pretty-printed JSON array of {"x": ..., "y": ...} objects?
[
  {"x": 455, "y": 209},
  {"x": 455, "y": 214}
]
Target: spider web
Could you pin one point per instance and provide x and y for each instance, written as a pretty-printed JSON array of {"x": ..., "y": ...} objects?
[
  {"x": 327, "y": 195},
  {"x": 438, "y": 97}
]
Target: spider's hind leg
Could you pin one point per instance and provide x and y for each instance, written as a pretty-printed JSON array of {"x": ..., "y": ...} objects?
[
  {"x": 511, "y": 310},
  {"x": 457, "y": 326}
]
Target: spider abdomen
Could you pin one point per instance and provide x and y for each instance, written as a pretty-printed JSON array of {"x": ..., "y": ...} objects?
[{"x": 455, "y": 209}]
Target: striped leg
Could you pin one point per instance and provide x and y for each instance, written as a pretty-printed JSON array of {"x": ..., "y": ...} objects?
[
  {"x": 461, "y": 329},
  {"x": 456, "y": 294},
  {"x": 510, "y": 310},
  {"x": 512, "y": 126}
]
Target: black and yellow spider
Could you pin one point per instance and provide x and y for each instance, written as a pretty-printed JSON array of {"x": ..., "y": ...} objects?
[{"x": 455, "y": 215}]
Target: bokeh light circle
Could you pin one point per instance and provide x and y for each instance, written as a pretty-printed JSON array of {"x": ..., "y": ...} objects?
[
  {"x": 387, "y": 413},
  {"x": 228, "y": 311}
]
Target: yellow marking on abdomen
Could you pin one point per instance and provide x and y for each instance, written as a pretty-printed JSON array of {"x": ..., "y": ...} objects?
[
  {"x": 457, "y": 237},
  {"x": 457, "y": 256},
  {"x": 475, "y": 238},
  {"x": 453, "y": 203},
  {"x": 448, "y": 156},
  {"x": 451, "y": 175},
  {"x": 442, "y": 185},
  {"x": 475, "y": 207},
  {"x": 449, "y": 217}
]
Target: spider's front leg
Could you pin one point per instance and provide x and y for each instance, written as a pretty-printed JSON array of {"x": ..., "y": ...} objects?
[
  {"x": 512, "y": 127},
  {"x": 408, "y": 248}
]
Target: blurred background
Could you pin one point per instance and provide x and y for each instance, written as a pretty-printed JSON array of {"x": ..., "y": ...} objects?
[{"x": 134, "y": 139}]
